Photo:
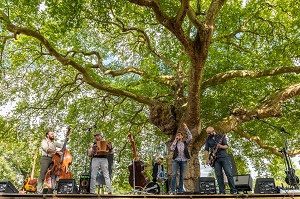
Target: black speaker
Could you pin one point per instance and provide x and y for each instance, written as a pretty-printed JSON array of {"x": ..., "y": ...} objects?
[
  {"x": 205, "y": 185},
  {"x": 66, "y": 186},
  {"x": 84, "y": 186},
  {"x": 7, "y": 187},
  {"x": 265, "y": 185},
  {"x": 243, "y": 182}
]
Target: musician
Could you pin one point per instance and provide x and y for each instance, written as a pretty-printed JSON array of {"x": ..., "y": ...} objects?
[
  {"x": 158, "y": 168},
  {"x": 158, "y": 172},
  {"x": 219, "y": 142},
  {"x": 49, "y": 148},
  {"x": 180, "y": 157},
  {"x": 99, "y": 162}
]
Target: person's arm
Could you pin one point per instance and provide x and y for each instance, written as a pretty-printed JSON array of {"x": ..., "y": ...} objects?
[
  {"x": 188, "y": 133},
  {"x": 91, "y": 151},
  {"x": 206, "y": 157},
  {"x": 173, "y": 146},
  {"x": 223, "y": 144},
  {"x": 206, "y": 152},
  {"x": 153, "y": 161},
  {"x": 46, "y": 148}
]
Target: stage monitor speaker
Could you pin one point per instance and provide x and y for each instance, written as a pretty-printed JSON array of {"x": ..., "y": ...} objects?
[
  {"x": 205, "y": 185},
  {"x": 265, "y": 186},
  {"x": 66, "y": 186},
  {"x": 243, "y": 182},
  {"x": 7, "y": 187},
  {"x": 84, "y": 186}
]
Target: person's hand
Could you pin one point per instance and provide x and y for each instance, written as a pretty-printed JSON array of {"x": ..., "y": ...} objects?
[
  {"x": 184, "y": 125},
  {"x": 109, "y": 145},
  {"x": 59, "y": 152}
]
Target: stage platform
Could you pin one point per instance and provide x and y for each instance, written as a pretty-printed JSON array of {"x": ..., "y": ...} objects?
[{"x": 128, "y": 196}]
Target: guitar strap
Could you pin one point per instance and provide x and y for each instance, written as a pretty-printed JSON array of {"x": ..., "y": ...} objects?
[{"x": 219, "y": 141}]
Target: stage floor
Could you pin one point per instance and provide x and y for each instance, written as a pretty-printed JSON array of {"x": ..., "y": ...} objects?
[{"x": 117, "y": 196}]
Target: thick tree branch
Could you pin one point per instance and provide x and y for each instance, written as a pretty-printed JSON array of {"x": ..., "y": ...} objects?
[
  {"x": 170, "y": 23},
  {"x": 87, "y": 77},
  {"x": 148, "y": 42},
  {"x": 182, "y": 12},
  {"x": 262, "y": 145},
  {"x": 268, "y": 108},
  {"x": 233, "y": 74},
  {"x": 213, "y": 11},
  {"x": 194, "y": 20},
  {"x": 165, "y": 79},
  {"x": 258, "y": 141}
]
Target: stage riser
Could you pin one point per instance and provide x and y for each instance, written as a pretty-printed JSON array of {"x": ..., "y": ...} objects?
[{"x": 114, "y": 196}]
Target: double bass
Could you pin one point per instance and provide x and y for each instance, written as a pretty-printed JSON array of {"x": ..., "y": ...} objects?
[
  {"x": 60, "y": 168},
  {"x": 137, "y": 177}
]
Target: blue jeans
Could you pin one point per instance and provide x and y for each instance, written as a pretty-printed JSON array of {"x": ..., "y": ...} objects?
[
  {"x": 224, "y": 163},
  {"x": 181, "y": 166}
]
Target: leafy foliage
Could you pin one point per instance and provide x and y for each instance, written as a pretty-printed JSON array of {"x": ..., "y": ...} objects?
[{"x": 145, "y": 67}]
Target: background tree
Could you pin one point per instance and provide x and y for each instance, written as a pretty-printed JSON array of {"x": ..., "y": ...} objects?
[{"x": 128, "y": 64}]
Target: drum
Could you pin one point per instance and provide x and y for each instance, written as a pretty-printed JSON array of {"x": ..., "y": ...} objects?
[{"x": 152, "y": 188}]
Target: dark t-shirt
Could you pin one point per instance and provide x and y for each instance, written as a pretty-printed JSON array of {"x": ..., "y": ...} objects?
[{"x": 211, "y": 143}]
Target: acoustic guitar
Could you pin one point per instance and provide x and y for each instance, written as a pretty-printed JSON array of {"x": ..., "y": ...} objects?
[
  {"x": 137, "y": 177},
  {"x": 30, "y": 182}
]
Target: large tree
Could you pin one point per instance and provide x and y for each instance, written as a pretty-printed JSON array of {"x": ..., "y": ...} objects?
[{"x": 210, "y": 62}]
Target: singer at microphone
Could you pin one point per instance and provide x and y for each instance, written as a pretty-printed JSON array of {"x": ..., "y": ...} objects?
[{"x": 180, "y": 157}]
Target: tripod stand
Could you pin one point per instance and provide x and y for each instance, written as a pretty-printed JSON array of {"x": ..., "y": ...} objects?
[{"x": 291, "y": 178}]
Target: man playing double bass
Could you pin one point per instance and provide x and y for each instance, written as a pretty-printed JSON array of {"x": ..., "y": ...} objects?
[{"x": 49, "y": 149}]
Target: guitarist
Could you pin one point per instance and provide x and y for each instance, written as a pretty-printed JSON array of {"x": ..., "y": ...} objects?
[
  {"x": 49, "y": 148},
  {"x": 218, "y": 159}
]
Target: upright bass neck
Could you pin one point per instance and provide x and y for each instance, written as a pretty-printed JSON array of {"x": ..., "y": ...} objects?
[
  {"x": 65, "y": 145},
  {"x": 133, "y": 146}
]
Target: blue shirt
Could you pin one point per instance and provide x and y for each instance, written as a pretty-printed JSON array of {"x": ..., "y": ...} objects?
[{"x": 211, "y": 143}]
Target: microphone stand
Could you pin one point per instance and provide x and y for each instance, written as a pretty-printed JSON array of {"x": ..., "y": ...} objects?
[
  {"x": 88, "y": 147},
  {"x": 85, "y": 178},
  {"x": 291, "y": 178}
]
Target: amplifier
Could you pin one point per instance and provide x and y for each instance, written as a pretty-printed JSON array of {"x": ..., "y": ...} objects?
[
  {"x": 84, "y": 186},
  {"x": 205, "y": 185},
  {"x": 265, "y": 186},
  {"x": 7, "y": 187},
  {"x": 243, "y": 182},
  {"x": 66, "y": 186}
]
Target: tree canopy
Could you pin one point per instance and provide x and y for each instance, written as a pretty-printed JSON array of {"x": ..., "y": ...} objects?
[{"x": 147, "y": 66}]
